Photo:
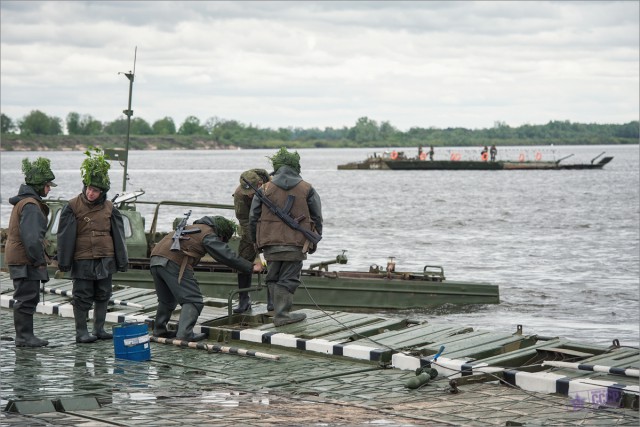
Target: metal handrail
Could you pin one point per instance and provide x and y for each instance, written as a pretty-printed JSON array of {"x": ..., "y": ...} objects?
[{"x": 154, "y": 223}]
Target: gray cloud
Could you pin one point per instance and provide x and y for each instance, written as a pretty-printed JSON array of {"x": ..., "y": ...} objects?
[{"x": 317, "y": 64}]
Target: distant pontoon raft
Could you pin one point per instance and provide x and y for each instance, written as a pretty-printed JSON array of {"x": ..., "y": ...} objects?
[{"x": 396, "y": 160}]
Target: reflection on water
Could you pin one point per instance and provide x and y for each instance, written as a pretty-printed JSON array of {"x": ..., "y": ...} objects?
[
  {"x": 562, "y": 245},
  {"x": 221, "y": 399}
]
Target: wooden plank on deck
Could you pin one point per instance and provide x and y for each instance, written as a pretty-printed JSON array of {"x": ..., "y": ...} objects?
[
  {"x": 414, "y": 336},
  {"x": 473, "y": 347},
  {"x": 367, "y": 330},
  {"x": 338, "y": 321}
]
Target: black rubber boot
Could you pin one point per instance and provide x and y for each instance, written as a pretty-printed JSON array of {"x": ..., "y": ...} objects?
[
  {"x": 99, "y": 316},
  {"x": 82, "y": 334},
  {"x": 24, "y": 331},
  {"x": 163, "y": 315},
  {"x": 188, "y": 317},
  {"x": 270, "y": 297},
  {"x": 283, "y": 301},
  {"x": 244, "y": 282}
]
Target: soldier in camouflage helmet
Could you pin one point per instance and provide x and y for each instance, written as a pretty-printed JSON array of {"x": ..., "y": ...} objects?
[
  {"x": 285, "y": 248},
  {"x": 173, "y": 275},
  {"x": 25, "y": 250},
  {"x": 242, "y": 198},
  {"x": 91, "y": 244}
]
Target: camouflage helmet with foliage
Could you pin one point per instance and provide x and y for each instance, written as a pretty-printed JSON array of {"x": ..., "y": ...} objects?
[
  {"x": 224, "y": 227},
  {"x": 95, "y": 170},
  {"x": 38, "y": 173},
  {"x": 285, "y": 158}
]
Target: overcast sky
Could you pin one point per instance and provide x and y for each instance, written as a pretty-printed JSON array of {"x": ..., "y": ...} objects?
[{"x": 325, "y": 64}]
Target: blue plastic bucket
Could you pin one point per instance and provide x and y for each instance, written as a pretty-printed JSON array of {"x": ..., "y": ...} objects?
[{"x": 131, "y": 341}]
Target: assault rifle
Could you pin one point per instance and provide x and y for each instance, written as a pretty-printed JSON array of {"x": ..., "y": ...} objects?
[
  {"x": 180, "y": 231},
  {"x": 284, "y": 214}
]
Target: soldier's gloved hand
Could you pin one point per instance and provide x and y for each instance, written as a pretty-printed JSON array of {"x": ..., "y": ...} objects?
[{"x": 122, "y": 269}]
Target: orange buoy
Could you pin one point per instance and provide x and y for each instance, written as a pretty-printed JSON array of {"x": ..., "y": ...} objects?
[
  {"x": 484, "y": 156},
  {"x": 538, "y": 156},
  {"x": 521, "y": 157},
  {"x": 423, "y": 156},
  {"x": 394, "y": 155},
  {"x": 453, "y": 157}
]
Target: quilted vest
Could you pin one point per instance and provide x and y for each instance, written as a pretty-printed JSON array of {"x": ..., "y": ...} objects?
[
  {"x": 192, "y": 248},
  {"x": 271, "y": 230},
  {"x": 93, "y": 234},
  {"x": 15, "y": 253}
]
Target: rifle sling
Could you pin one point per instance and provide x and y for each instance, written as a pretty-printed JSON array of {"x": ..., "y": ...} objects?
[
  {"x": 183, "y": 265},
  {"x": 278, "y": 212},
  {"x": 274, "y": 208},
  {"x": 288, "y": 205}
]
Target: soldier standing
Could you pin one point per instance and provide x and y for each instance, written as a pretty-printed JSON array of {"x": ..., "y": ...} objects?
[
  {"x": 91, "y": 244},
  {"x": 493, "y": 152},
  {"x": 285, "y": 248},
  {"x": 242, "y": 198},
  {"x": 484, "y": 154},
  {"x": 25, "y": 249}
]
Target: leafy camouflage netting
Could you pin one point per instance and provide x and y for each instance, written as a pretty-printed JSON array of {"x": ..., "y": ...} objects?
[
  {"x": 38, "y": 172},
  {"x": 224, "y": 227},
  {"x": 95, "y": 169},
  {"x": 286, "y": 158}
]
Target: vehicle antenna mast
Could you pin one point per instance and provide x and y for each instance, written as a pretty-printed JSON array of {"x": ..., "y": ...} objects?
[{"x": 129, "y": 112}]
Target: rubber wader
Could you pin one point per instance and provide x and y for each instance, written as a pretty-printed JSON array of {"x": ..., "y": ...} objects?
[
  {"x": 24, "y": 331},
  {"x": 244, "y": 282},
  {"x": 163, "y": 315},
  {"x": 82, "y": 334},
  {"x": 188, "y": 317},
  {"x": 283, "y": 301},
  {"x": 270, "y": 297},
  {"x": 99, "y": 317}
]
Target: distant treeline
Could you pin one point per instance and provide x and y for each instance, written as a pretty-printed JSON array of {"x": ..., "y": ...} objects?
[{"x": 38, "y": 131}]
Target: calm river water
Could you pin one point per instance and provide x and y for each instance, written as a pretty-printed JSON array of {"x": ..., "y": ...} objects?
[{"x": 562, "y": 245}]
